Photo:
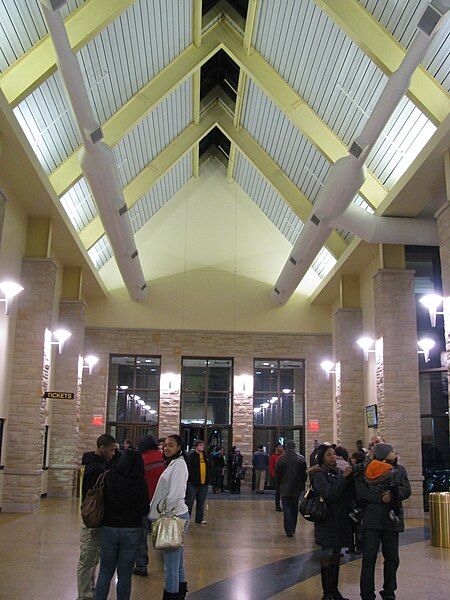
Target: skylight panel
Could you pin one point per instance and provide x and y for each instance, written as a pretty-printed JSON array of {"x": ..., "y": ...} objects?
[
  {"x": 100, "y": 252},
  {"x": 79, "y": 204}
]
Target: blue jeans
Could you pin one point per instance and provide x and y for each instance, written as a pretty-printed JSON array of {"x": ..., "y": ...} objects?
[
  {"x": 174, "y": 565},
  {"x": 142, "y": 555},
  {"x": 118, "y": 549},
  {"x": 198, "y": 493},
  {"x": 290, "y": 513}
]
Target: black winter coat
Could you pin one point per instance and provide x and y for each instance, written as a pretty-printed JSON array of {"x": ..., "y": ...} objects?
[
  {"x": 375, "y": 513},
  {"x": 193, "y": 464},
  {"x": 336, "y": 530},
  {"x": 290, "y": 473}
]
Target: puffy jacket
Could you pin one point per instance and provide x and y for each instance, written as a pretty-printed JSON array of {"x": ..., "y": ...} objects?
[
  {"x": 336, "y": 530},
  {"x": 290, "y": 473},
  {"x": 375, "y": 513},
  {"x": 154, "y": 466}
]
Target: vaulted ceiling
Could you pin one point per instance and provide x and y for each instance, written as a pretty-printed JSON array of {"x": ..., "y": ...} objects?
[{"x": 277, "y": 89}]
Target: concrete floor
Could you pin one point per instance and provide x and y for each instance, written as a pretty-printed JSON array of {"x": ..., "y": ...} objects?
[{"x": 242, "y": 554}]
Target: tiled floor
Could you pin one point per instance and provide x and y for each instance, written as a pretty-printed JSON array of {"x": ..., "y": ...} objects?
[{"x": 242, "y": 554}]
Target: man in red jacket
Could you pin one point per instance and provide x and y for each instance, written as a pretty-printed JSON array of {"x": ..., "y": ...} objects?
[
  {"x": 279, "y": 451},
  {"x": 154, "y": 465}
]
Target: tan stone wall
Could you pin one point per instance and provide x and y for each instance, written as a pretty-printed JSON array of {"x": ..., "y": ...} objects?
[
  {"x": 398, "y": 374},
  {"x": 30, "y": 370},
  {"x": 65, "y": 414},
  {"x": 243, "y": 347},
  {"x": 349, "y": 379}
]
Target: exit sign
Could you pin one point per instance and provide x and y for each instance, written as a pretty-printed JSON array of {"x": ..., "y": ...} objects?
[
  {"x": 98, "y": 420},
  {"x": 313, "y": 425}
]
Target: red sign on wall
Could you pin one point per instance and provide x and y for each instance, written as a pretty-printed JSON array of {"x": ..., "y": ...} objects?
[
  {"x": 98, "y": 420},
  {"x": 313, "y": 425}
]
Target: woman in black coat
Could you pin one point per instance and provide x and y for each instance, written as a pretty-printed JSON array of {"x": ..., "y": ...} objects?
[{"x": 335, "y": 531}]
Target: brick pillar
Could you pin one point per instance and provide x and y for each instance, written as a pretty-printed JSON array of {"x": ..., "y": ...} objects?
[
  {"x": 397, "y": 374},
  {"x": 30, "y": 372},
  {"x": 170, "y": 395},
  {"x": 349, "y": 378},
  {"x": 94, "y": 393},
  {"x": 243, "y": 407},
  {"x": 65, "y": 414}
]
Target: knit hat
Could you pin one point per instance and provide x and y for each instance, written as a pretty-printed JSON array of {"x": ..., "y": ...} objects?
[{"x": 381, "y": 451}]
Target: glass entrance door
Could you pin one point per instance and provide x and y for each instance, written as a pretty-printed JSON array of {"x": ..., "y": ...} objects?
[
  {"x": 133, "y": 432},
  {"x": 214, "y": 435}
]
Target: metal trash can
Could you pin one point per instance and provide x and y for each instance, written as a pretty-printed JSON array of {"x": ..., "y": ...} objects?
[{"x": 440, "y": 519}]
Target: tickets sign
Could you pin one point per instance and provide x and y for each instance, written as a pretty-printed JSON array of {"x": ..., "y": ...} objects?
[{"x": 60, "y": 395}]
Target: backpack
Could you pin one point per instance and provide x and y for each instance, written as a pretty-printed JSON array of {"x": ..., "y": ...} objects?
[{"x": 93, "y": 506}]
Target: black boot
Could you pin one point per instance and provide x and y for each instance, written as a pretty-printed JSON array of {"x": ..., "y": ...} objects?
[
  {"x": 182, "y": 590},
  {"x": 171, "y": 595},
  {"x": 325, "y": 572},
  {"x": 335, "y": 593}
]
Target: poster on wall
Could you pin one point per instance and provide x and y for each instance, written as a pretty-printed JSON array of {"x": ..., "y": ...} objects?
[{"x": 372, "y": 416}]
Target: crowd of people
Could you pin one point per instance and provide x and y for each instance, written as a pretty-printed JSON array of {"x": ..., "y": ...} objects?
[{"x": 362, "y": 492}]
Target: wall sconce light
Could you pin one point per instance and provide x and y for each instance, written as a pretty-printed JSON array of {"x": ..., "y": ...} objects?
[
  {"x": 273, "y": 399},
  {"x": 425, "y": 345},
  {"x": 243, "y": 384},
  {"x": 10, "y": 289},
  {"x": 432, "y": 302},
  {"x": 366, "y": 343},
  {"x": 257, "y": 409},
  {"x": 265, "y": 405},
  {"x": 286, "y": 391},
  {"x": 329, "y": 367},
  {"x": 170, "y": 382},
  {"x": 91, "y": 361},
  {"x": 61, "y": 336}
]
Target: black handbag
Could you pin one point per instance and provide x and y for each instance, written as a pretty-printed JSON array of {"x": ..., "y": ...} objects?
[
  {"x": 313, "y": 507},
  {"x": 240, "y": 473}
]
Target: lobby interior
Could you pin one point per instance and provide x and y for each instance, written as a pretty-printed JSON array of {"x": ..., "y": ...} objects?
[{"x": 216, "y": 222}]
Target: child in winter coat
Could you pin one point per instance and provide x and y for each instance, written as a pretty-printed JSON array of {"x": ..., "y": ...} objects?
[{"x": 379, "y": 475}]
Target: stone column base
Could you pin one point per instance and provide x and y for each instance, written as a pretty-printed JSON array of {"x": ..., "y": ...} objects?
[
  {"x": 62, "y": 481},
  {"x": 21, "y": 490},
  {"x": 413, "y": 507}
]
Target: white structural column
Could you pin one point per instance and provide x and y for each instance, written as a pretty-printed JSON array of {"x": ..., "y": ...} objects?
[
  {"x": 397, "y": 373},
  {"x": 349, "y": 378},
  {"x": 30, "y": 379},
  {"x": 2, "y": 203},
  {"x": 65, "y": 413},
  {"x": 443, "y": 220}
]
